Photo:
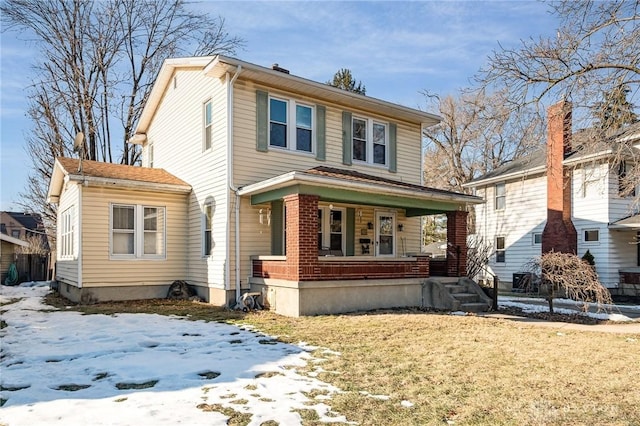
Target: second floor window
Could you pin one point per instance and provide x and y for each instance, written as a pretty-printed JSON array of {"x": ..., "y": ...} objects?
[
  {"x": 208, "y": 125},
  {"x": 626, "y": 183},
  {"x": 290, "y": 125},
  {"x": 501, "y": 196},
  {"x": 370, "y": 141}
]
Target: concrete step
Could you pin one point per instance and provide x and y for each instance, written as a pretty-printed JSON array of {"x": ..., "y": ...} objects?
[
  {"x": 455, "y": 288},
  {"x": 466, "y": 297},
  {"x": 475, "y": 307}
]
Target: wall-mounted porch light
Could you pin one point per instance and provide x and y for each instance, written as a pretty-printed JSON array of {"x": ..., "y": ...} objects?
[{"x": 264, "y": 215}]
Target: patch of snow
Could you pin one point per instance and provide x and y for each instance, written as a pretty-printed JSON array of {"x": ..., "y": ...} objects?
[
  {"x": 406, "y": 404},
  {"x": 62, "y": 367}
]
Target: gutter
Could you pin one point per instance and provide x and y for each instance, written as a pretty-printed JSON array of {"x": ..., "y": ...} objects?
[
  {"x": 232, "y": 188},
  {"x": 502, "y": 178},
  {"x": 126, "y": 183}
]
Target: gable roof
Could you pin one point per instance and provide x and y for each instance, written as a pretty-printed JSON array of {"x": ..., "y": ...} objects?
[
  {"x": 109, "y": 174},
  {"x": 218, "y": 66},
  {"x": 31, "y": 221},
  {"x": 535, "y": 162}
]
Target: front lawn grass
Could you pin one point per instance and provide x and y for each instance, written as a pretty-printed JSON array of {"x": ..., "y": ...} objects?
[{"x": 414, "y": 368}]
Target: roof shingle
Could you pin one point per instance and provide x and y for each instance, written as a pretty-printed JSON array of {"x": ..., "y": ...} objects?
[{"x": 99, "y": 169}]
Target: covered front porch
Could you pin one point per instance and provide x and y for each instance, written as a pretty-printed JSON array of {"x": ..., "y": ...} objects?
[
  {"x": 629, "y": 273},
  {"x": 342, "y": 240}
]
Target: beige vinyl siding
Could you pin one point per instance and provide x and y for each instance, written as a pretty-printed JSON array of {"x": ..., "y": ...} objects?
[
  {"x": 7, "y": 256},
  {"x": 525, "y": 214},
  {"x": 177, "y": 134},
  {"x": 66, "y": 268},
  {"x": 101, "y": 270},
  {"x": 253, "y": 166}
]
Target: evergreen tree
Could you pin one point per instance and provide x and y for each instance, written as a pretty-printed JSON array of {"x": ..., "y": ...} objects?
[
  {"x": 615, "y": 111},
  {"x": 343, "y": 79}
]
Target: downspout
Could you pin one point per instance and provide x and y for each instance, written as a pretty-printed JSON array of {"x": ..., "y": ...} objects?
[
  {"x": 232, "y": 187},
  {"x": 79, "y": 233}
]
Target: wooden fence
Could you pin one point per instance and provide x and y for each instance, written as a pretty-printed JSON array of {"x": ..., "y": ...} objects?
[{"x": 32, "y": 267}]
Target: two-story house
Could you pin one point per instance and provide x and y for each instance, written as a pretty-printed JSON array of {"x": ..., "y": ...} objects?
[
  {"x": 254, "y": 179},
  {"x": 562, "y": 198}
]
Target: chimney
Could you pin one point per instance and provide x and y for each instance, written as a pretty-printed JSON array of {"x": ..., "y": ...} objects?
[
  {"x": 277, "y": 67},
  {"x": 559, "y": 233}
]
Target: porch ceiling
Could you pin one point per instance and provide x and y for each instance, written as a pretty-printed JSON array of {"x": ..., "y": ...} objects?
[{"x": 334, "y": 185}]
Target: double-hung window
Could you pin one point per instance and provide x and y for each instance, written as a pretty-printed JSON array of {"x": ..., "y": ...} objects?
[
  {"x": 67, "y": 220},
  {"x": 501, "y": 196},
  {"x": 626, "y": 185},
  {"x": 290, "y": 125},
  {"x": 137, "y": 231},
  {"x": 370, "y": 141},
  {"x": 208, "y": 124}
]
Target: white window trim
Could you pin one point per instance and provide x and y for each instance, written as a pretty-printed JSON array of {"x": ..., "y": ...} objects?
[
  {"x": 533, "y": 238},
  {"x": 150, "y": 154},
  {"x": 138, "y": 233},
  {"x": 393, "y": 215},
  {"x": 496, "y": 196},
  {"x": 292, "y": 141},
  {"x": 584, "y": 236},
  {"x": 326, "y": 227},
  {"x": 369, "y": 141},
  {"x": 503, "y": 250},
  {"x": 67, "y": 234},
  {"x": 206, "y": 127},
  {"x": 204, "y": 228}
]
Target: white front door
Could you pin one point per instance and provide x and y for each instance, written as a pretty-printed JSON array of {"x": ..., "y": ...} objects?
[{"x": 385, "y": 234}]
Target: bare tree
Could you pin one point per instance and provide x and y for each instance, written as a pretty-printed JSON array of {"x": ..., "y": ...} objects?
[
  {"x": 477, "y": 134},
  {"x": 593, "y": 61},
  {"x": 97, "y": 65},
  {"x": 478, "y": 253},
  {"x": 570, "y": 276}
]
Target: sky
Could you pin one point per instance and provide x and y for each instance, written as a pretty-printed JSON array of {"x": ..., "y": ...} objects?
[
  {"x": 398, "y": 49},
  {"x": 63, "y": 368}
]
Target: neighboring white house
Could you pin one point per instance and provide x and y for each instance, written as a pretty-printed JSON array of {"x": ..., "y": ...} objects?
[
  {"x": 564, "y": 200},
  {"x": 254, "y": 179}
]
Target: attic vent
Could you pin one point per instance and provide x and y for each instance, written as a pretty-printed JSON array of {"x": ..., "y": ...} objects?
[{"x": 276, "y": 67}]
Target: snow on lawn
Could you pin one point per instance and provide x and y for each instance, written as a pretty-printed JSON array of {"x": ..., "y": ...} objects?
[
  {"x": 533, "y": 305},
  {"x": 66, "y": 368}
]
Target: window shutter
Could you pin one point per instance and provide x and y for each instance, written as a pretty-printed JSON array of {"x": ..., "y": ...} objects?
[
  {"x": 393, "y": 150},
  {"x": 347, "y": 148},
  {"x": 277, "y": 243},
  {"x": 262, "y": 120},
  {"x": 321, "y": 133},
  {"x": 351, "y": 231}
]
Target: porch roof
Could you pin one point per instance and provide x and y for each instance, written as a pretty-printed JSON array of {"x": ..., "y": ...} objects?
[
  {"x": 631, "y": 223},
  {"x": 347, "y": 186}
]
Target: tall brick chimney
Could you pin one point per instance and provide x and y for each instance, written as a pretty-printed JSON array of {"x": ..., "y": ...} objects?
[{"x": 559, "y": 233}]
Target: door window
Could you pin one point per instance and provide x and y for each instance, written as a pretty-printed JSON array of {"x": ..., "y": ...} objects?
[{"x": 385, "y": 238}]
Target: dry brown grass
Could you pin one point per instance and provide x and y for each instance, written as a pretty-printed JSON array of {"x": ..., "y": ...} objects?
[{"x": 466, "y": 370}]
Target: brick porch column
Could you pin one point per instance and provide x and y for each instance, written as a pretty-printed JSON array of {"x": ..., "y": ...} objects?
[
  {"x": 302, "y": 235},
  {"x": 457, "y": 243}
]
